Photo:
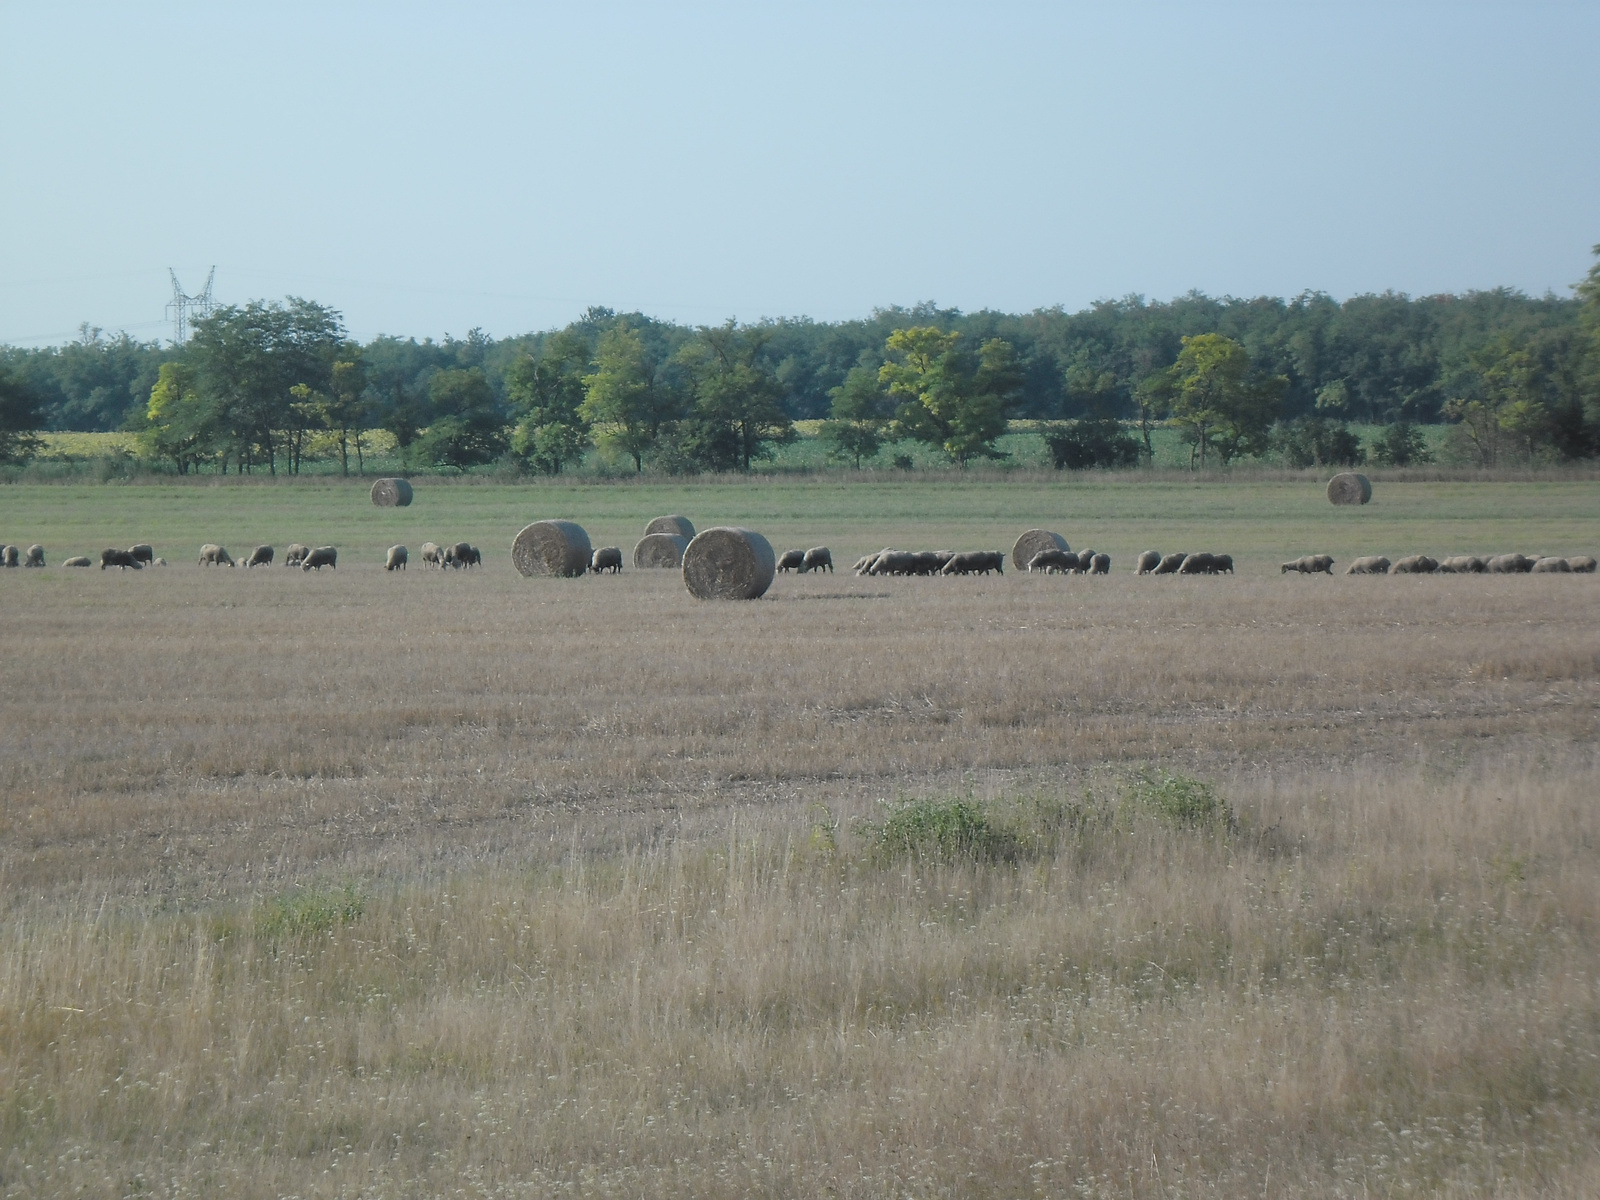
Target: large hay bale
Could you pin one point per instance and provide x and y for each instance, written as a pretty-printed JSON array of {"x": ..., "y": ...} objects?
[
  {"x": 660, "y": 550},
  {"x": 728, "y": 564},
  {"x": 1349, "y": 487},
  {"x": 551, "y": 548},
  {"x": 1032, "y": 543},
  {"x": 676, "y": 526},
  {"x": 391, "y": 493}
]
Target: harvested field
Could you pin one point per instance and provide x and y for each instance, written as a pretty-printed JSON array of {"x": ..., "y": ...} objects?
[{"x": 362, "y": 883}]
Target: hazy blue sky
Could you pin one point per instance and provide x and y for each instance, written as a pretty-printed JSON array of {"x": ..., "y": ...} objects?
[{"x": 428, "y": 168}]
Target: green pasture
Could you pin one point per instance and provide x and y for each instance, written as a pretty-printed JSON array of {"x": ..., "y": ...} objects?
[
  {"x": 1024, "y": 448},
  {"x": 1259, "y": 522}
]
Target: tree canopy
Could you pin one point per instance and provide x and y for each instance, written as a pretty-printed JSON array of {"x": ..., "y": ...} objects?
[{"x": 1515, "y": 374}]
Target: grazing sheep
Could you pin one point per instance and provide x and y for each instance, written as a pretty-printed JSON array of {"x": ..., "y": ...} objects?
[
  {"x": 1222, "y": 564},
  {"x": 1582, "y": 565},
  {"x": 396, "y": 559},
  {"x": 35, "y": 556},
  {"x": 212, "y": 555},
  {"x": 118, "y": 558},
  {"x": 864, "y": 562},
  {"x": 295, "y": 554},
  {"x": 464, "y": 555},
  {"x": 607, "y": 558},
  {"x": 1372, "y": 564},
  {"x": 322, "y": 556},
  {"x": 791, "y": 560},
  {"x": 144, "y": 552},
  {"x": 261, "y": 556},
  {"x": 927, "y": 562},
  {"x": 1461, "y": 564},
  {"x": 1509, "y": 564},
  {"x": 892, "y": 562},
  {"x": 1416, "y": 564},
  {"x": 1101, "y": 564},
  {"x": 1170, "y": 563},
  {"x": 160, "y": 562},
  {"x": 1311, "y": 564},
  {"x": 77, "y": 560},
  {"x": 1148, "y": 561},
  {"x": 979, "y": 562},
  {"x": 1053, "y": 561},
  {"x": 818, "y": 558},
  {"x": 1549, "y": 566},
  {"x": 1196, "y": 564},
  {"x": 432, "y": 555},
  {"x": 8, "y": 556},
  {"x": 473, "y": 558}
]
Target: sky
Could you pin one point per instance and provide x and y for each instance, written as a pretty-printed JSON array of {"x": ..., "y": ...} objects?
[{"x": 428, "y": 169}]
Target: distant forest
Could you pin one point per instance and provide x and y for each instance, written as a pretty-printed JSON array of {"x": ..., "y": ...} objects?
[{"x": 253, "y": 380}]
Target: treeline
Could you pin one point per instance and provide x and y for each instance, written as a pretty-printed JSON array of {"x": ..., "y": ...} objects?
[{"x": 257, "y": 384}]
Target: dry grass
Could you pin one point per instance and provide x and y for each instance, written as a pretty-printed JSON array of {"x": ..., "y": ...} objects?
[{"x": 460, "y": 883}]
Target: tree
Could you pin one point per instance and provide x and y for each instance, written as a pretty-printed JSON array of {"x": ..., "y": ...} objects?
[
  {"x": 181, "y": 423},
  {"x": 547, "y": 393},
  {"x": 1219, "y": 401},
  {"x": 625, "y": 401},
  {"x": 737, "y": 400},
  {"x": 1401, "y": 445},
  {"x": 248, "y": 361},
  {"x": 948, "y": 399},
  {"x": 345, "y": 409},
  {"x": 467, "y": 429},
  {"x": 19, "y": 418},
  {"x": 859, "y": 414}
]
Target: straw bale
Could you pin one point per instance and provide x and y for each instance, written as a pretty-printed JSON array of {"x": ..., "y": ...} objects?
[
  {"x": 660, "y": 550},
  {"x": 728, "y": 563},
  {"x": 551, "y": 548},
  {"x": 1349, "y": 487},
  {"x": 1033, "y": 541},
  {"x": 674, "y": 525},
  {"x": 391, "y": 493}
]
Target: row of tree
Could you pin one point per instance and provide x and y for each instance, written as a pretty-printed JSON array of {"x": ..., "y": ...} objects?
[{"x": 1516, "y": 375}]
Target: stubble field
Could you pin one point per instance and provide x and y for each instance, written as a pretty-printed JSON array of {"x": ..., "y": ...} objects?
[{"x": 351, "y": 884}]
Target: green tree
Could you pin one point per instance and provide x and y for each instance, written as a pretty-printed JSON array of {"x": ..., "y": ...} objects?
[
  {"x": 1219, "y": 401},
  {"x": 20, "y": 414},
  {"x": 248, "y": 361},
  {"x": 626, "y": 402},
  {"x": 547, "y": 393},
  {"x": 1401, "y": 445},
  {"x": 345, "y": 409},
  {"x": 737, "y": 399},
  {"x": 467, "y": 429},
  {"x": 181, "y": 424},
  {"x": 948, "y": 399},
  {"x": 858, "y": 417}
]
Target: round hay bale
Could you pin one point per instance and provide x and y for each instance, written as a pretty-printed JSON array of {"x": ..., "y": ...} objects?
[
  {"x": 728, "y": 564},
  {"x": 1348, "y": 487},
  {"x": 551, "y": 548},
  {"x": 660, "y": 550},
  {"x": 391, "y": 493},
  {"x": 676, "y": 526},
  {"x": 1032, "y": 543}
]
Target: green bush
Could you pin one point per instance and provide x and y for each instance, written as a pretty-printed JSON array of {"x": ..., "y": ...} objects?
[
  {"x": 1180, "y": 800},
  {"x": 309, "y": 911},
  {"x": 1080, "y": 445},
  {"x": 943, "y": 830}
]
